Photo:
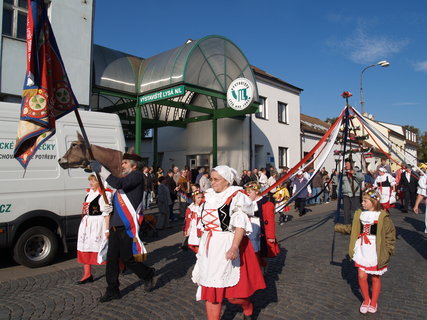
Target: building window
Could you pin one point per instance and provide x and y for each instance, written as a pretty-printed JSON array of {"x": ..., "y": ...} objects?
[
  {"x": 262, "y": 109},
  {"x": 283, "y": 157},
  {"x": 15, "y": 18},
  {"x": 282, "y": 111}
]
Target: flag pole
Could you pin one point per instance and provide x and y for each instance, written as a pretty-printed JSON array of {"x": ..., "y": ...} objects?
[{"x": 89, "y": 149}]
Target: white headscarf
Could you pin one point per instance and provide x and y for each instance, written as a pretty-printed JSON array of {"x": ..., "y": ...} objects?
[{"x": 227, "y": 173}]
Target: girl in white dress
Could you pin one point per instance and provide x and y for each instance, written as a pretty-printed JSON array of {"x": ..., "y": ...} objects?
[
  {"x": 193, "y": 216},
  {"x": 372, "y": 239},
  {"x": 94, "y": 227}
]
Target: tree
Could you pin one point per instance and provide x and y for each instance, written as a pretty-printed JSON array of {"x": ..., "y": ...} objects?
[
  {"x": 422, "y": 150},
  {"x": 331, "y": 120}
]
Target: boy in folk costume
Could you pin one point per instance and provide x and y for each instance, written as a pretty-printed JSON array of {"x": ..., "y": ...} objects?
[
  {"x": 226, "y": 266},
  {"x": 192, "y": 225},
  {"x": 372, "y": 240},
  {"x": 263, "y": 236}
]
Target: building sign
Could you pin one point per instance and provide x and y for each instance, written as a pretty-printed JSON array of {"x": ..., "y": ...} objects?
[
  {"x": 240, "y": 94},
  {"x": 161, "y": 95}
]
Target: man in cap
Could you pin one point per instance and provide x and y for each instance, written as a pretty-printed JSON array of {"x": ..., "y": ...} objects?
[
  {"x": 351, "y": 187},
  {"x": 123, "y": 240},
  {"x": 298, "y": 185}
]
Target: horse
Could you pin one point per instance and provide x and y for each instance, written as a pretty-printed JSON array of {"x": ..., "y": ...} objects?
[{"x": 77, "y": 156}]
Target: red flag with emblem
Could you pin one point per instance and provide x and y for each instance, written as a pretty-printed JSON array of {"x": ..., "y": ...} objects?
[{"x": 47, "y": 94}]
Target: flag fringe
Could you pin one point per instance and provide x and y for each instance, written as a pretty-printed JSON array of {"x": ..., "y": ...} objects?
[{"x": 29, "y": 92}]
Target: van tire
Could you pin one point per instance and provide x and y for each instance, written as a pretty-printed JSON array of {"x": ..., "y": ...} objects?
[{"x": 36, "y": 247}]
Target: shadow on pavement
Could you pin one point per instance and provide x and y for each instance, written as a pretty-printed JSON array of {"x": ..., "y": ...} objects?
[
  {"x": 7, "y": 261},
  {"x": 417, "y": 224},
  {"x": 262, "y": 298},
  {"x": 177, "y": 267},
  {"x": 178, "y": 263},
  {"x": 349, "y": 274},
  {"x": 310, "y": 227},
  {"x": 414, "y": 239}
]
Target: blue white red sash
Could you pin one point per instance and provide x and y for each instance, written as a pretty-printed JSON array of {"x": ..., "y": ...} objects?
[{"x": 132, "y": 219}]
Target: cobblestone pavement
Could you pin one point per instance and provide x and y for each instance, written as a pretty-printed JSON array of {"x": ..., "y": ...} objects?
[{"x": 312, "y": 278}]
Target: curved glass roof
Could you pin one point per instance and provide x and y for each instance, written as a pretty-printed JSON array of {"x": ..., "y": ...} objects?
[
  {"x": 115, "y": 70},
  {"x": 179, "y": 86},
  {"x": 212, "y": 62}
]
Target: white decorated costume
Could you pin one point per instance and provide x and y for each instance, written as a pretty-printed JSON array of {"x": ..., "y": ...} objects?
[
  {"x": 92, "y": 226},
  {"x": 222, "y": 213},
  {"x": 212, "y": 268},
  {"x": 365, "y": 249},
  {"x": 385, "y": 185}
]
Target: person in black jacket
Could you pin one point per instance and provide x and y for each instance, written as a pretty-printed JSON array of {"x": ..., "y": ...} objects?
[
  {"x": 171, "y": 184},
  {"x": 408, "y": 184},
  {"x": 128, "y": 198}
]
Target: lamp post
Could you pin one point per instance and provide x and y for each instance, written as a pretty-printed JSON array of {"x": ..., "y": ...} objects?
[{"x": 382, "y": 63}]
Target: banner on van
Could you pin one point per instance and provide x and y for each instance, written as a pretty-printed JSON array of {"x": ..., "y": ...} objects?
[{"x": 47, "y": 94}]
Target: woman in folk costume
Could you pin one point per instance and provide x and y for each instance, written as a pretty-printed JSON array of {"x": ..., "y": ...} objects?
[
  {"x": 372, "y": 240},
  {"x": 192, "y": 225},
  {"x": 385, "y": 184},
  {"x": 264, "y": 240},
  {"x": 93, "y": 227},
  {"x": 226, "y": 266}
]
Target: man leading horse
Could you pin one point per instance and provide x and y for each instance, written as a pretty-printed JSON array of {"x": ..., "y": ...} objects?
[{"x": 123, "y": 240}]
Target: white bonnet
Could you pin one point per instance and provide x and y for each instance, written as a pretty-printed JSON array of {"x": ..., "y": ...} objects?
[{"x": 227, "y": 173}]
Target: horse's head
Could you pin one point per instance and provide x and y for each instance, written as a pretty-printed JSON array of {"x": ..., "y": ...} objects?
[{"x": 76, "y": 156}]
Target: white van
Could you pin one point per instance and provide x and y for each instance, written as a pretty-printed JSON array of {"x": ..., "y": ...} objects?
[{"x": 41, "y": 209}]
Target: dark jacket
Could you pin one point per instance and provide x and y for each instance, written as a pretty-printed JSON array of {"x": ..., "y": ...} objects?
[
  {"x": 170, "y": 183},
  {"x": 133, "y": 186},
  {"x": 148, "y": 181},
  {"x": 410, "y": 185}
]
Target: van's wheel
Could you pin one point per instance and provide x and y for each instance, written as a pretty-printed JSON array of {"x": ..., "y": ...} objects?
[{"x": 36, "y": 247}]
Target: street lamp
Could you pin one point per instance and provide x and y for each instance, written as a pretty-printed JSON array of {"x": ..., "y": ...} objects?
[{"x": 381, "y": 63}]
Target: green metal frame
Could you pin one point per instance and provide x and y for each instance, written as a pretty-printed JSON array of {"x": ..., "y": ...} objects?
[{"x": 208, "y": 114}]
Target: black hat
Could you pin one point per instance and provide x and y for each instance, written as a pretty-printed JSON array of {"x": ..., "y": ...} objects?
[{"x": 132, "y": 156}]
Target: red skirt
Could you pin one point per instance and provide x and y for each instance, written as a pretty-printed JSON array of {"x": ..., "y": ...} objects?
[
  {"x": 251, "y": 278},
  {"x": 88, "y": 258}
]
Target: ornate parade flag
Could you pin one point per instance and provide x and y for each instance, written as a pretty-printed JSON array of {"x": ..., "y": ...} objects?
[{"x": 47, "y": 94}]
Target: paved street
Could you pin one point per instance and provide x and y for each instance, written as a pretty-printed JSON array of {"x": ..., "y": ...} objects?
[{"x": 311, "y": 279}]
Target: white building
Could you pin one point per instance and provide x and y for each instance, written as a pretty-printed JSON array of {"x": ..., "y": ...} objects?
[
  {"x": 75, "y": 45},
  {"x": 268, "y": 137},
  {"x": 312, "y": 130},
  {"x": 275, "y": 128}
]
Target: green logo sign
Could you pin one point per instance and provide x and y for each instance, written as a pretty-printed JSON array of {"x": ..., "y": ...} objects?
[
  {"x": 161, "y": 95},
  {"x": 240, "y": 94}
]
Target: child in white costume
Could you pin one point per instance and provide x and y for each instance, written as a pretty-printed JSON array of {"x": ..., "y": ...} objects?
[
  {"x": 192, "y": 225},
  {"x": 93, "y": 227},
  {"x": 372, "y": 239}
]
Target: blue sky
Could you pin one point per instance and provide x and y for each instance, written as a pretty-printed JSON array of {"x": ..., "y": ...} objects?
[{"x": 319, "y": 46}]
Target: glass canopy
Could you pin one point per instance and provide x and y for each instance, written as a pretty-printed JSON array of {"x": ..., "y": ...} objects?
[
  {"x": 174, "y": 88},
  {"x": 212, "y": 62}
]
